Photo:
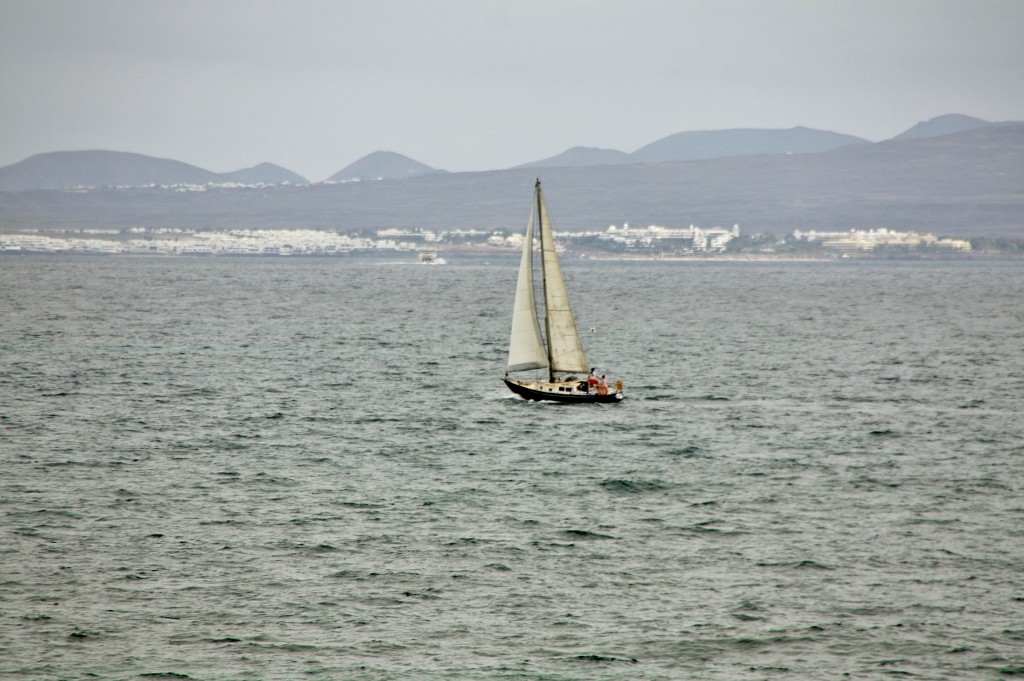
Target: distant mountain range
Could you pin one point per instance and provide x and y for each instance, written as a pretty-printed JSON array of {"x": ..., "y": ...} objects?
[
  {"x": 70, "y": 169},
  {"x": 707, "y": 144},
  {"x": 967, "y": 182}
]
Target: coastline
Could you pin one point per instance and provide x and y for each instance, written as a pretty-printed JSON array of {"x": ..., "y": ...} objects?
[{"x": 571, "y": 256}]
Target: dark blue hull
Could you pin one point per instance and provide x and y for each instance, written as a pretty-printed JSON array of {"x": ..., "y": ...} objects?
[{"x": 539, "y": 391}]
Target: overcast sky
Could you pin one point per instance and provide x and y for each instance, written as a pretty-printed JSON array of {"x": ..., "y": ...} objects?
[{"x": 477, "y": 84}]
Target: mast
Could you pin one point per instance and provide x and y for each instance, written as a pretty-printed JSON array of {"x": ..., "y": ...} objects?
[{"x": 544, "y": 279}]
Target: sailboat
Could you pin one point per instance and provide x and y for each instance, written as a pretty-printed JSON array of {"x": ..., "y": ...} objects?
[{"x": 560, "y": 349}]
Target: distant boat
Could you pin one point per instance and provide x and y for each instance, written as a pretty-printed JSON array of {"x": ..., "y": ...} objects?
[
  {"x": 562, "y": 352},
  {"x": 431, "y": 258}
]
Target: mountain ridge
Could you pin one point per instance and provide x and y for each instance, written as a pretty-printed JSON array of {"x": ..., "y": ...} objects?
[
  {"x": 578, "y": 157},
  {"x": 706, "y": 144},
  {"x": 959, "y": 184},
  {"x": 948, "y": 124},
  {"x": 96, "y": 168},
  {"x": 105, "y": 168}
]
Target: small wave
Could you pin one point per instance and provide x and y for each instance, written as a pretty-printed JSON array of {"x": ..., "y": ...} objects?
[
  {"x": 469, "y": 541},
  {"x": 47, "y": 513},
  {"x": 707, "y": 528},
  {"x": 633, "y": 486},
  {"x": 82, "y": 634},
  {"x": 605, "y": 659},
  {"x": 586, "y": 534},
  {"x": 362, "y": 576},
  {"x": 799, "y": 565},
  {"x": 69, "y": 462},
  {"x": 286, "y": 647},
  {"x": 324, "y": 548},
  {"x": 865, "y": 482},
  {"x": 689, "y": 450},
  {"x": 746, "y": 643}
]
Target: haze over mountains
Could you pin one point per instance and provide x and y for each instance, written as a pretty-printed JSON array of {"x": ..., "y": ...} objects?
[
  {"x": 951, "y": 175},
  {"x": 71, "y": 169}
]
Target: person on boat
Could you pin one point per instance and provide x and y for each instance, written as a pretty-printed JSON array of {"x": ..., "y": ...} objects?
[
  {"x": 602, "y": 387},
  {"x": 592, "y": 381}
]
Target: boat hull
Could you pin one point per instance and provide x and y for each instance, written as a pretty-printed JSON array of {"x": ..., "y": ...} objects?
[{"x": 543, "y": 391}]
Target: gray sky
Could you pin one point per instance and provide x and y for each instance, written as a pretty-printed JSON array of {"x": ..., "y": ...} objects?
[{"x": 480, "y": 84}]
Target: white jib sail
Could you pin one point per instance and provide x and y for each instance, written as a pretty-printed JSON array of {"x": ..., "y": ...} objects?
[
  {"x": 526, "y": 349},
  {"x": 566, "y": 348}
]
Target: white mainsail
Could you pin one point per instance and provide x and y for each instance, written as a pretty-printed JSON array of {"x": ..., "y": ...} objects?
[
  {"x": 526, "y": 349},
  {"x": 565, "y": 349}
]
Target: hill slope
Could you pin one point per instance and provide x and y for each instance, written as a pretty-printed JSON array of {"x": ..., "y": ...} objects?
[
  {"x": 69, "y": 169},
  {"x": 579, "y": 157},
  {"x": 382, "y": 165},
  {"x": 943, "y": 125},
  {"x": 708, "y": 144},
  {"x": 63, "y": 169},
  {"x": 264, "y": 173}
]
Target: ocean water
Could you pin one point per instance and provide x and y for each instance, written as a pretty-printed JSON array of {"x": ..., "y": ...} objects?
[{"x": 222, "y": 469}]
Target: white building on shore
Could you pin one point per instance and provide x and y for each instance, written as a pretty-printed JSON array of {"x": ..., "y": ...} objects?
[
  {"x": 184, "y": 242},
  {"x": 698, "y": 238},
  {"x": 871, "y": 239}
]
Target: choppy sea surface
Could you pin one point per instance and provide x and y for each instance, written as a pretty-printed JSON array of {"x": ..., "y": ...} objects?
[{"x": 222, "y": 469}]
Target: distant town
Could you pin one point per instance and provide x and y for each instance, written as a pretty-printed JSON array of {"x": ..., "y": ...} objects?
[{"x": 625, "y": 241}]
